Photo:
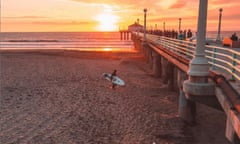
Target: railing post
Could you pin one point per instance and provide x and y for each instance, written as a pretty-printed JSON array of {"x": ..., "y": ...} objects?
[
  {"x": 234, "y": 56},
  {"x": 214, "y": 59}
]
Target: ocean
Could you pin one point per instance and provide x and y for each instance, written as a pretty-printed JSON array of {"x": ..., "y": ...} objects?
[
  {"x": 213, "y": 34},
  {"x": 90, "y": 41}
]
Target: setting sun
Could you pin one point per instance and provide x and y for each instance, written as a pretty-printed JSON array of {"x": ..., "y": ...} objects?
[{"x": 107, "y": 22}]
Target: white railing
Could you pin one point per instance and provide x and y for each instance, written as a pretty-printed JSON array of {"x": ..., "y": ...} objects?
[{"x": 222, "y": 59}]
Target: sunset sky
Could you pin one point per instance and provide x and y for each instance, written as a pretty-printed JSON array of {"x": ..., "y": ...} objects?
[{"x": 110, "y": 15}]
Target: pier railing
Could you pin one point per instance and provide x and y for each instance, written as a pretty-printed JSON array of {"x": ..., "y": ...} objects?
[
  {"x": 221, "y": 59},
  {"x": 224, "y": 59}
]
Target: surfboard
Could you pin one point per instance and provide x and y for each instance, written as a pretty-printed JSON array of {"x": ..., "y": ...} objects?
[{"x": 116, "y": 80}]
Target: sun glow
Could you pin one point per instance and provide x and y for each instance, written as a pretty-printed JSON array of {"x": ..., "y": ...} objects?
[
  {"x": 107, "y": 49},
  {"x": 107, "y": 22}
]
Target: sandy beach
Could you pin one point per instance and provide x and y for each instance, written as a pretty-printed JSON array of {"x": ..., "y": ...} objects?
[{"x": 60, "y": 97}]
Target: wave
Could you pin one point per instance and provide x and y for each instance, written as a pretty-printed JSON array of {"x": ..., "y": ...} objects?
[
  {"x": 63, "y": 40},
  {"x": 68, "y": 41},
  {"x": 32, "y": 41}
]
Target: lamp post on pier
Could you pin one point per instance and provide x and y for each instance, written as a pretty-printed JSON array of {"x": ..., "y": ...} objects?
[
  {"x": 197, "y": 87},
  {"x": 144, "y": 29},
  {"x": 219, "y": 25},
  {"x": 179, "y": 25},
  {"x": 163, "y": 26}
]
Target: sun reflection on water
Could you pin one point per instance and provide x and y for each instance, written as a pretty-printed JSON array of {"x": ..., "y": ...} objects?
[{"x": 107, "y": 49}]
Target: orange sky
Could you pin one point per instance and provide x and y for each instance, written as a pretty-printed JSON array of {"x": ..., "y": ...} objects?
[{"x": 109, "y": 15}]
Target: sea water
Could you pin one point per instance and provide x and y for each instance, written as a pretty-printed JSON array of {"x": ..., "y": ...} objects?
[
  {"x": 213, "y": 34},
  {"x": 91, "y": 41}
]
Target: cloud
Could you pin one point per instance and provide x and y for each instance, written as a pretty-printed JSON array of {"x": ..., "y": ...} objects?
[
  {"x": 64, "y": 22},
  {"x": 176, "y": 18},
  {"x": 178, "y": 4},
  {"x": 26, "y": 17},
  {"x": 125, "y": 5},
  {"x": 222, "y": 2},
  {"x": 119, "y": 2}
]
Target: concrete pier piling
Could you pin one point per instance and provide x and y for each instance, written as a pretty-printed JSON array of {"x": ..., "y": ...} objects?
[
  {"x": 157, "y": 69},
  {"x": 149, "y": 56},
  {"x": 124, "y": 34},
  {"x": 186, "y": 107},
  {"x": 164, "y": 70},
  {"x": 170, "y": 75},
  {"x": 139, "y": 45}
]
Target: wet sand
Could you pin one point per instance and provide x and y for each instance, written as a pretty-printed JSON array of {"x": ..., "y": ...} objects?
[{"x": 61, "y": 97}]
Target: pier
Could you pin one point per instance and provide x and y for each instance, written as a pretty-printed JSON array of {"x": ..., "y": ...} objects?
[
  {"x": 170, "y": 58},
  {"x": 206, "y": 74}
]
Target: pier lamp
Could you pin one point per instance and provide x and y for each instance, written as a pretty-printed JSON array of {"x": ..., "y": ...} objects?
[
  {"x": 145, "y": 19},
  {"x": 179, "y": 25},
  {"x": 163, "y": 26},
  {"x": 197, "y": 87},
  {"x": 219, "y": 25}
]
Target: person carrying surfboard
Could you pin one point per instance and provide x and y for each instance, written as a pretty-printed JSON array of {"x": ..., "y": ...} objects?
[
  {"x": 114, "y": 79},
  {"x": 113, "y": 74}
]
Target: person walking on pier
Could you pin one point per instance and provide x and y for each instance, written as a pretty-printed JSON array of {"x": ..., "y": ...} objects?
[
  {"x": 180, "y": 36},
  {"x": 234, "y": 37},
  {"x": 189, "y": 34}
]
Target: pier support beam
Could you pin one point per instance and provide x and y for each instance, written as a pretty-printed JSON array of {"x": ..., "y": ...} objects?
[
  {"x": 170, "y": 75},
  {"x": 144, "y": 46},
  {"x": 167, "y": 73},
  {"x": 149, "y": 56},
  {"x": 156, "y": 64},
  {"x": 139, "y": 45},
  {"x": 137, "y": 42},
  {"x": 164, "y": 70}
]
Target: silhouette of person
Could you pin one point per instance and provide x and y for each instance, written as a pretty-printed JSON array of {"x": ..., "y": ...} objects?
[
  {"x": 180, "y": 36},
  {"x": 234, "y": 37},
  {"x": 113, "y": 74},
  {"x": 189, "y": 34}
]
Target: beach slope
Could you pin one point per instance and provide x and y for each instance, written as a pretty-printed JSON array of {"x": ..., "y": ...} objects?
[{"x": 61, "y": 97}]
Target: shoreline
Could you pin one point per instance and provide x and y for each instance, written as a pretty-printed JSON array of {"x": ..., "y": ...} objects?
[{"x": 60, "y": 96}]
